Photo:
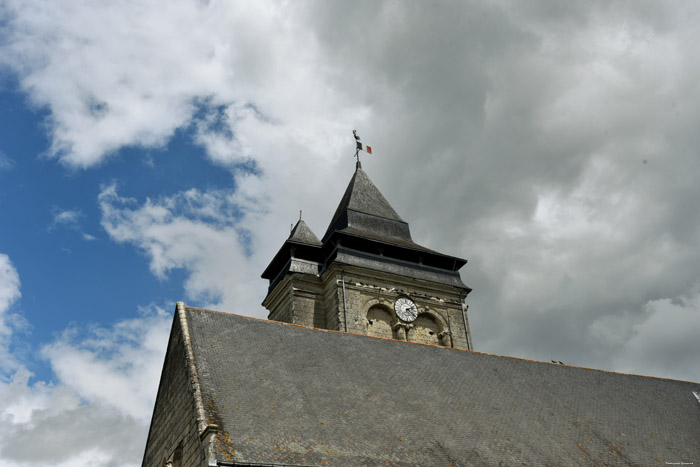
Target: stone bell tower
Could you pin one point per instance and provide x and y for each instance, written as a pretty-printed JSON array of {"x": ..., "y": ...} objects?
[{"x": 368, "y": 276}]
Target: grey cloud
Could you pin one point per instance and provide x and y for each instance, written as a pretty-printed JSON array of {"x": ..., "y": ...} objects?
[
  {"x": 481, "y": 110},
  {"x": 111, "y": 438}
]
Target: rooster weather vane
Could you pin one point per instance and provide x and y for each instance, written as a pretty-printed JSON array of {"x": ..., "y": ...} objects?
[{"x": 360, "y": 146}]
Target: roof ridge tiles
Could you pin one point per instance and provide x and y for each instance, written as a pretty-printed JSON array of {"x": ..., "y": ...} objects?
[{"x": 181, "y": 313}]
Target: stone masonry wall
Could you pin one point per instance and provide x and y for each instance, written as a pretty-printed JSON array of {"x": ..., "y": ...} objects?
[
  {"x": 174, "y": 430},
  {"x": 308, "y": 300},
  {"x": 439, "y": 307},
  {"x": 333, "y": 301},
  {"x": 279, "y": 303}
]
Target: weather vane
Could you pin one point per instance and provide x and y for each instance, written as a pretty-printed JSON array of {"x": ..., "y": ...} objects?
[{"x": 360, "y": 146}]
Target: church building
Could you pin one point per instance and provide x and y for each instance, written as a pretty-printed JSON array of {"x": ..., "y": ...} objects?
[{"x": 367, "y": 359}]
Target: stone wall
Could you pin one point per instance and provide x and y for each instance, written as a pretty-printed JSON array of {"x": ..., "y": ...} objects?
[
  {"x": 333, "y": 300},
  {"x": 307, "y": 297},
  {"x": 297, "y": 299},
  {"x": 279, "y": 303},
  {"x": 174, "y": 434},
  {"x": 380, "y": 322},
  {"x": 308, "y": 300},
  {"x": 439, "y": 306}
]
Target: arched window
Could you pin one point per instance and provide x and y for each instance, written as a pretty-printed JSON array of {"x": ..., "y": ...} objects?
[
  {"x": 425, "y": 330},
  {"x": 379, "y": 322}
]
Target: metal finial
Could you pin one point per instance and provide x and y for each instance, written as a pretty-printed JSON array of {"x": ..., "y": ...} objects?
[
  {"x": 299, "y": 214},
  {"x": 357, "y": 149}
]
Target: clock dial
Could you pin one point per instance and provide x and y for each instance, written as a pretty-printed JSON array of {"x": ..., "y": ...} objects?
[{"x": 406, "y": 309}]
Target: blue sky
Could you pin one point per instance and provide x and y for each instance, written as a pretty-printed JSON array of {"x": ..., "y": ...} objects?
[
  {"x": 63, "y": 255},
  {"x": 150, "y": 154}
]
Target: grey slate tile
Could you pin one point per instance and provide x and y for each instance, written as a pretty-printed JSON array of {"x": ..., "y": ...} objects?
[{"x": 288, "y": 394}]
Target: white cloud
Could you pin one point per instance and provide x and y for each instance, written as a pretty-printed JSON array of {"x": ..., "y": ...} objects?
[
  {"x": 201, "y": 232},
  {"x": 73, "y": 433},
  {"x": 69, "y": 219},
  {"x": 124, "y": 74},
  {"x": 9, "y": 284},
  {"x": 5, "y": 162},
  {"x": 117, "y": 367},
  {"x": 87, "y": 63},
  {"x": 97, "y": 411},
  {"x": 9, "y": 293}
]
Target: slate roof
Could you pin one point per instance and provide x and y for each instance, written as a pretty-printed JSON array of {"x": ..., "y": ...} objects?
[
  {"x": 284, "y": 394},
  {"x": 302, "y": 233},
  {"x": 366, "y": 222},
  {"x": 365, "y": 213},
  {"x": 361, "y": 195},
  {"x": 302, "y": 243},
  {"x": 370, "y": 235}
]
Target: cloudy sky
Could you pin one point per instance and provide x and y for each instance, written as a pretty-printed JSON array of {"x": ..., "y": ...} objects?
[{"x": 158, "y": 151}]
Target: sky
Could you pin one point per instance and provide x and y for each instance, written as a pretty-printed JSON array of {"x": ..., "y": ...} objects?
[{"x": 152, "y": 152}]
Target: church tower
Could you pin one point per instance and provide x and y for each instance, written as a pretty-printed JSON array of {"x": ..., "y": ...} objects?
[{"x": 367, "y": 276}]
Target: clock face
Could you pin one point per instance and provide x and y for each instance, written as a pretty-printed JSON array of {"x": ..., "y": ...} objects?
[{"x": 406, "y": 309}]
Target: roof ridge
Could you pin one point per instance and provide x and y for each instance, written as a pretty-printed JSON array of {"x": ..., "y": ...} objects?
[{"x": 202, "y": 423}]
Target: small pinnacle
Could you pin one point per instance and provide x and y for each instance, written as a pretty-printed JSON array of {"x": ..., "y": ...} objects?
[
  {"x": 299, "y": 214},
  {"x": 358, "y": 165}
]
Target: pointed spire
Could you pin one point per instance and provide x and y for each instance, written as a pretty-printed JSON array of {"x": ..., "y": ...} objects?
[
  {"x": 364, "y": 197},
  {"x": 302, "y": 233}
]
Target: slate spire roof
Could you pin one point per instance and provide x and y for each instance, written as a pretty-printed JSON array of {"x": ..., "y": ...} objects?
[
  {"x": 302, "y": 233},
  {"x": 364, "y": 212},
  {"x": 365, "y": 224},
  {"x": 302, "y": 243},
  {"x": 363, "y": 196}
]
